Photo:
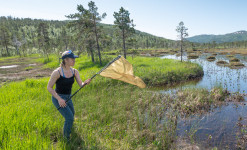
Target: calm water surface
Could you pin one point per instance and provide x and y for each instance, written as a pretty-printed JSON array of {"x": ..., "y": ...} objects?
[{"x": 217, "y": 128}]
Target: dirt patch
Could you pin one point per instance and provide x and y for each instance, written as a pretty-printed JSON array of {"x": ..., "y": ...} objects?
[{"x": 25, "y": 68}]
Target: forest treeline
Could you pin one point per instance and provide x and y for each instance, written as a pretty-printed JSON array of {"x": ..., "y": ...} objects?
[
  {"x": 19, "y": 36},
  {"x": 83, "y": 32}
]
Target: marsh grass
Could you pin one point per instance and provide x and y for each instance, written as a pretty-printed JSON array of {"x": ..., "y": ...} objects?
[
  {"x": 29, "y": 68},
  {"x": 222, "y": 63},
  {"x": 190, "y": 51},
  {"x": 52, "y": 62},
  {"x": 7, "y": 58},
  {"x": 230, "y": 56},
  {"x": 241, "y": 134},
  {"x": 211, "y": 58},
  {"x": 234, "y": 60},
  {"x": 193, "y": 56},
  {"x": 236, "y": 65},
  {"x": 156, "y": 71},
  {"x": 4, "y": 61},
  {"x": 178, "y": 54},
  {"x": 126, "y": 117},
  {"x": 27, "y": 118},
  {"x": 109, "y": 114}
]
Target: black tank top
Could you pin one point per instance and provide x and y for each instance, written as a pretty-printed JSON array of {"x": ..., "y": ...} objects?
[{"x": 63, "y": 84}]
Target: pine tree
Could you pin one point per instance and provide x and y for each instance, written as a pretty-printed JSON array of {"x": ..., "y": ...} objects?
[
  {"x": 5, "y": 38},
  {"x": 125, "y": 24},
  {"x": 96, "y": 18},
  {"x": 87, "y": 22},
  {"x": 43, "y": 38},
  {"x": 182, "y": 31}
]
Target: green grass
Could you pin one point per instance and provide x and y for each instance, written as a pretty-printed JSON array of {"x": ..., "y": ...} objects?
[
  {"x": 6, "y": 58},
  {"x": 29, "y": 68},
  {"x": 51, "y": 62},
  {"x": 110, "y": 114},
  {"x": 27, "y": 116},
  {"x": 106, "y": 117},
  {"x": 156, "y": 71}
]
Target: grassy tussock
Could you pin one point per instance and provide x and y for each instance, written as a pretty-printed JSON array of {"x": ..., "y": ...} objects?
[
  {"x": 224, "y": 51},
  {"x": 211, "y": 58},
  {"x": 193, "y": 56},
  {"x": 234, "y": 60},
  {"x": 222, "y": 62},
  {"x": 236, "y": 65},
  {"x": 230, "y": 56},
  {"x": 156, "y": 71}
]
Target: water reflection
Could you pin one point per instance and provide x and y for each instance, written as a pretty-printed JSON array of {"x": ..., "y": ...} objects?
[
  {"x": 217, "y": 128},
  {"x": 5, "y": 67},
  {"x": 234, "y": 80}
]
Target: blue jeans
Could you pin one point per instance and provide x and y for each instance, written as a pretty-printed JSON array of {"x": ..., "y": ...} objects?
[{"x": 68, "y": 114}]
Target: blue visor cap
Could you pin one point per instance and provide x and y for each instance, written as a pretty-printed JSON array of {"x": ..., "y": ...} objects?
[{"x": 71, "y": 55}]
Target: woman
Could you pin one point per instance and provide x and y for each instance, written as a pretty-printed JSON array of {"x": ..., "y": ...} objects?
[{"x": 64, "y": 78}]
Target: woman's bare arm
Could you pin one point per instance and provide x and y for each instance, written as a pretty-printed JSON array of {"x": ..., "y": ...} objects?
[{"x": 54, "y": 76}]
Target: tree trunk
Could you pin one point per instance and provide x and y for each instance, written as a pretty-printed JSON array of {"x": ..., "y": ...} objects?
[
  {"x": 47, "y": 55},
  {"x": 7, "y": 49},
  {"x": 2, "y": 52},
  {"x": 91, "y": 51},
  {"x": 124, "y": 44},
  {"x": 66, "y": 45},
  {"x": 181, "y": 48},
  {"x": 18, "y": 53},
  {"x": 92, "y": 56},
  {"x": 97, "y": 41},
  {"x": 6, "y": 44}
]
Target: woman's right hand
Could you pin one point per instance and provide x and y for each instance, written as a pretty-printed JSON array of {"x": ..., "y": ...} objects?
[{"x": 62, "y": 103}]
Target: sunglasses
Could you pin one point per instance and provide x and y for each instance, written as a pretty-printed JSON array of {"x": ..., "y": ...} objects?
[{"x": 68, "y": 52}]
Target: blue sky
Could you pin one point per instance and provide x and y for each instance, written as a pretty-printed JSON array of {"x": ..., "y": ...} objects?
[{"x": 157, "y": 17}]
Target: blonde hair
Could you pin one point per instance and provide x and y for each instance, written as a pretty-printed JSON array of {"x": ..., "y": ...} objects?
[
  {"x": 63, "y": 60},
  {"x": 62, "y": 63}
]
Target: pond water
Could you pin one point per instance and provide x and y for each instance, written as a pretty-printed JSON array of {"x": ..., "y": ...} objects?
[
  {"x": 6, "y": 67},
  {"x": 218, "y": 128}
]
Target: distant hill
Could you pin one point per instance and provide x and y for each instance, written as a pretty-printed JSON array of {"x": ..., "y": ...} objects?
[
  {"x": 27, "y": 28},
  {"x": 230, "y": 37}
]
